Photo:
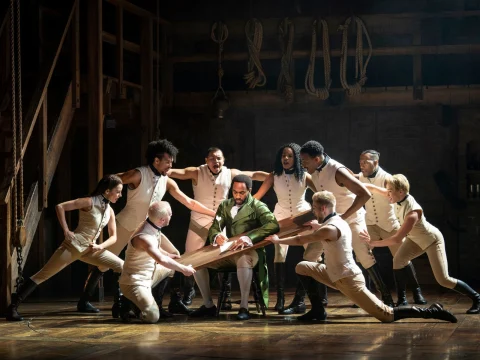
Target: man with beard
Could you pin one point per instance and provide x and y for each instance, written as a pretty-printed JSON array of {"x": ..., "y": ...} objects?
[
  {"x": 382, "y": 222},
  {"x": 211, "y": 183},
  {"x": 340, "y": 270},
  {"x": 351, "y": 195},
  {"x": 240, "y": 214},
  {"x": 146, "y": 185}
]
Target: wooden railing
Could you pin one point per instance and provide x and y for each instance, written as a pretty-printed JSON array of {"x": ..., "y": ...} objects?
[{"x": 49, "y": 157}]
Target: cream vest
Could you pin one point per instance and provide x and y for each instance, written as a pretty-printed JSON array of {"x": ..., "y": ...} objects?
[
  {"x": 290, "y": 196},
  {"x": 325, "y": 180},
  {"x": 152, "y": 188},
  {"x": 338, "y": 253},
  {"x": 379, "y": 210},
  {"x": 139, "y": 266},
  {"x": 423, "y": 233},
  {"x": 211, "y": 190}
]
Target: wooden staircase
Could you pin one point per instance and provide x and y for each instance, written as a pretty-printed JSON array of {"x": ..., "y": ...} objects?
[{"x": 46, "y": 153}]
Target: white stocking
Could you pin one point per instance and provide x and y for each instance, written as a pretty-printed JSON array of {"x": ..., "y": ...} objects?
[
  {"x": 245, "y": 281},
  {"x": 202, "y": 279}
]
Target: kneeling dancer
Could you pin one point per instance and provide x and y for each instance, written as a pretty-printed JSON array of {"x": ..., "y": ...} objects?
[{"x": 147, "y": 264}]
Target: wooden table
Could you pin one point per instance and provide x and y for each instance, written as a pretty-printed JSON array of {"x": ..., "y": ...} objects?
[{"x": 209, "y": 254}]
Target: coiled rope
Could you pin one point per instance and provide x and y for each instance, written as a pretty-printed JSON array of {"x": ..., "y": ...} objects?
[{"x": 255, "y": 77}]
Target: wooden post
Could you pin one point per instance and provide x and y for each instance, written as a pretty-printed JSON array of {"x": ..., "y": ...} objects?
[
  {"x": 95, "y": 98},
  {"x": 167, "y": 67},
  {"x": 6, "y": 285},
  {"x": 43, "y": 178},
  {"x": 119, "y": 61},
  {"x": 75, "y": 29},
  {"x": 147, "y": 83},
  {"x": 417, "y": 65}
]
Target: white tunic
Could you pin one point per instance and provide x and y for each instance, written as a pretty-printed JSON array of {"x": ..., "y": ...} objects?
[
  {"x": 152, "y": 188},
  {"x": 139, "y": 266},
  {"x": 325, "y": 180},
  {"x": 290, "y": 195},
  {"x": 379, "y": 210},
  {"x": 210, "y": 190},
  {"x": 91, "y": 223},
  {"x": 338, "y": 253},
  {"x": 423, "y": 233}
]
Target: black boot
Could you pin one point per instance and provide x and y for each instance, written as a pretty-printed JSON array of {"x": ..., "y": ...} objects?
[
  {"x": 297, "y": 306},
  {"x": 128, "y": 310},
  {"x": 414, "y": 285},
  {"x": 374, "y": 273},
  {"x": 435, "y": 311},
  {"x": 280, "y": 283},
  {"x": 176, "y": 306},
  {"x": 117, "y": 297},
  {"x": 464, "y": 289},
  {"x": 25, "y": 289},
  {"x": 401, "y": 287},
  {"x": 188, "y": 290},
  {"x": 83, "y": 304},
  {"x": 158, "y": 292},
  {"x": 314, "y": 291},
  {"x": 227, "y": 303}
]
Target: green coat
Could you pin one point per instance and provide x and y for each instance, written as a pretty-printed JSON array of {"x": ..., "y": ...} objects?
[{"x": 256, "y": 220}]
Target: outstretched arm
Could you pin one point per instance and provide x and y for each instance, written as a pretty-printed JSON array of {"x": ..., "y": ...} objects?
[
  {"x": 376, "y": 189},
  {"x": 189, "y": 173},
  {"x": 145, "y": 244},
  {"x": 325, "y": 233},
  {"x": 343, "y": 177},
  {"x": 173, "y": 189},
  {"x": 267, "y": 184},
  {"x": 309, "y": 182},
  {"x": 255, "y": 175},
  {"x": 82, "y": 203}
]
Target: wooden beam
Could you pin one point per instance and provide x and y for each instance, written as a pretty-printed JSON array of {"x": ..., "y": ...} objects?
[
  {"x": 125, "y": 82},
  {"x": 128, "y": 6},
  {"x": 58, "y": 139},
  {"x": 43, "y": 141},
  {"x": 381, "y": 96},
  {"x": 6, "y": 285},
  {"x": 167, "y": 68},
  {"x": 76, "y": 56},
  {"x": 95, "y": 92},
  {"x": 119, "y": 59},
  {"x": 127, "y": 45},
  {"x": 304, "y": 54},
  {"x": 147, "y": 83}
]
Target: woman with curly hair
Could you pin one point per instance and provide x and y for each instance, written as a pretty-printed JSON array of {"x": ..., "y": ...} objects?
[
  {"x": 289, "y": 181},
  {"x": 420, "y": 237}
]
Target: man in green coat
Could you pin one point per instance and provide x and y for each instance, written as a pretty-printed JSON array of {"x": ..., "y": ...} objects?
[{"x": 237, "y": 215}]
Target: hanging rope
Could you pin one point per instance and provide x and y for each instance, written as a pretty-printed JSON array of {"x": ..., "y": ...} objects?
[
  {"x": 254, "y": 34},
  {"x": 219, "y": 34},
  {"x": 360, "y": 67},
  {"x": 322, "y": 93},
  {"x": 285, "y": 85},
  {"x": 18, "y": 204}
]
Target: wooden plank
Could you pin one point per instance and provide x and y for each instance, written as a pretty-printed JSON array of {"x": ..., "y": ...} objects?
[
  {"x": 95, "y": 92},
  {"x": 6, "y": 285},
  {"x": 43, "y": 142},
  {"x": 210, "y": 254},
  {"x": 32, "y": 214},
  {"x": 119, "y": 59},
  {"x": 128, "y": 6},
  {"x": 76, "y": 56},
  {"x": 147, "y": 83},
  {"x": 127, "y": 45},
  {"x": 304, "y": 54}
]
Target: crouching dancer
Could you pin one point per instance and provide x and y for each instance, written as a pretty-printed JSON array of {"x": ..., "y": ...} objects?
[
  {"x": 147, "y": 264},
  {"x": 94, "y": 214},
  {"x": 340, "y": 270}
]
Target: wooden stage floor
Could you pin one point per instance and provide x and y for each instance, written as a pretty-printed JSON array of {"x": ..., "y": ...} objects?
[{"x": 54, "y": 330}]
